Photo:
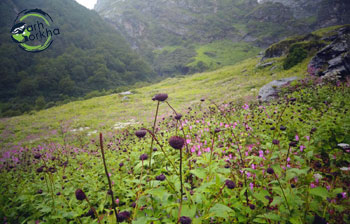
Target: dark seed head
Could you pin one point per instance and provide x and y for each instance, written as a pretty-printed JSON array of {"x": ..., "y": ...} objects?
[
  {"x": 121, "y": 164},
  {"x": 178, "y": 116},
  {"x": 293, "y": 99},
  {"x": 160, "y": 177},
  {"x": 340, "y": 196},
  {"x": 176, "y": 142},
  {"x": 40, "y": 169},
  {"x": 37, "y": 156},
  {"x": 80, "y": 195},
  {"x": 155, "y": 149},
  {"x": 141, "y": 133},
  {"x": 292, "y": 185},
  {"x": 39, "y": 191},
  {"x": 217, "y": 130},
  {"x": 282, "y": 128},
  {"x": 270, "y": 170},
  {"x": 185, "y": 220},
  {"x": 161, "y": 97},
  {"x": 319, "y": 220},
  {"x": 122, "y": 216},
  {"x": 202, "y": 99},
  {"x": 252, "y": 207},
  {"x": 230, "y": 184},
  {"x": 143, "y": 157},
  {"x": 275, "y": 142},
  {"x": 293, "y": 144},
  {"x": 133, "y": 205}
]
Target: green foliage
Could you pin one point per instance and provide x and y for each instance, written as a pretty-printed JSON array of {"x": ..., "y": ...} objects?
[
  {"x": 296, "y": 55},
  {"x": 89, "y": 55}
]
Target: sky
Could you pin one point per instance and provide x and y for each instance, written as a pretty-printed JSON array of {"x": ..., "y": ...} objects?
[{"x": 87, "y": 3}]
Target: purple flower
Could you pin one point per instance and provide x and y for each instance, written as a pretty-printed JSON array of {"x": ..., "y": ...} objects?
[
  {"x": 185, "y": 220},
  {"x": 80, "y": 195},
  {"x": 176, "y": 142},
  {"x": 37, "y": 156},
  {"x": 143, "y": 157},
  {"x": 161, "y": 97},
  {"x": 275, "y": 142},
  {"x": 230, "y": 184},
  {"x": 178, "y": 116},
  {"x": 141, "y": 133},
  {"x": 270, "y": 170},
  {"x": 282, "y": 128},
  {"x": 160, "y": 177},
  {"x": 122, "y": 216}
]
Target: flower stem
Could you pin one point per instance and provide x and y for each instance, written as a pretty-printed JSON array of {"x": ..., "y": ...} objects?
[
  {"x": 153, "y": 131},
  {"x": 109, "y": 180},
  {"x": 285, "y": 198}
]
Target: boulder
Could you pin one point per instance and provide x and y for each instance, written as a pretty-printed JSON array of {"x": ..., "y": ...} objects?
[{"x": 270, "y": 91}]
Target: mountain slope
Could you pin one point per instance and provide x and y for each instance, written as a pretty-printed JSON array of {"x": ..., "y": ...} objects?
[
  {"x": 153, "y": 27},
  {"x": 88, "y": 55}
]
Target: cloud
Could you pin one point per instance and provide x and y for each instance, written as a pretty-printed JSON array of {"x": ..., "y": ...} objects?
[{"x": 87, "y": 3}]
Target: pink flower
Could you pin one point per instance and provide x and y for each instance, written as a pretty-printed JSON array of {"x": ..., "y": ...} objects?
[
  {"x": 312, "y": 185},
  {"x": 302, "y": 147},
  {"x": 307, "y": 138},
  {"x": 246, "y": 106},
  {"x": 109, "y": 174},
  {"x": 188, "y": 141},
  {"x": 251, "y": 186},
  {"x": 117, "y": 201},
  {"x": 296, "y": 138}
]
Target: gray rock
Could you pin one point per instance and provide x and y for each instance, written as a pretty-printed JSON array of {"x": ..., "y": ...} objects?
[
  {"x": 334, "y": 58},
  {"x": 125, "y": 98},
  {"x": 270, "y": 91},
  {"x": 265, "y": 64},
  {"x": 125, "y": 93}
]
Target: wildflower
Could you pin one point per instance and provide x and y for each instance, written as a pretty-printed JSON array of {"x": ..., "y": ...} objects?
[
  {"x": 178, "y": 116},
  {"x": 217, "y": 130},
  {"x": 143, "y": 157},
  {"x": 185, "y": 220},
  {"x": 202, "y": 99},
  {"x": 345, "y": 168},
  {"x": 270, "y": 170},
  {"x": 155, "y": 149},
  {"x": 296, "y": 138},
  {"x": 80, "y": 195},
  {"x": 160, "y": 177},
  {"x": 122, "y": 216},
  {"x": 275, "y": 142},
  {"x": 252, "y": 207},
  {"x": 39, "y": 191},
  {"x": 176, "y": 142},
  {"x": 117, "y": 201},
  {"x": 293, "y": 99},
  {"x": 40, "y": 169},
  {"x": 302, "y": 147},
  {"x": 37, "y": 156},
  {"x": 293, "y": 144},
  {"x": 282, "y": 128},
  {"x": 141, "y": 133},
  {"x": 230, "y": 184},
  {"x": 161, "y": 97},
  {"x": 121, "y": 164},
  {"x": 344, "y": 145}
]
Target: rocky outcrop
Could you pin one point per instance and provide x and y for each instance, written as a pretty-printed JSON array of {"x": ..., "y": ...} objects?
[
  {"x": 334, "y": 59},
  {"x": 300, "y": 8},
  {"x": 270, "y": 91}
]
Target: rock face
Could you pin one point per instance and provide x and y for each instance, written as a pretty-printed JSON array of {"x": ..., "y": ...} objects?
[
  {"x": 335, "y": 57},
  {"x": 300, "y": 8},
  {"x": 270, "y": 91}
]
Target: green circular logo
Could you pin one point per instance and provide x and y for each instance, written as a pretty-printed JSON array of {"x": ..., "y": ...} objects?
[{"x": 33, "y": 30}]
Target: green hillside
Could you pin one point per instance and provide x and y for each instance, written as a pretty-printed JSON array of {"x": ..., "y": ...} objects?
[{"x": 88, "y": 55}]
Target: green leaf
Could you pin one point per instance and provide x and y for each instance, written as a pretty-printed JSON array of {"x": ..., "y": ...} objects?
[
  {"x": 277, "y": 201},
  {"x": 200, "y": 173},
  {"x": 319, "y": 191},
  {"x": 221, "y": 211},
  {"x": 271, "y": 216},
  {"x": 261, "y": 196}
]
